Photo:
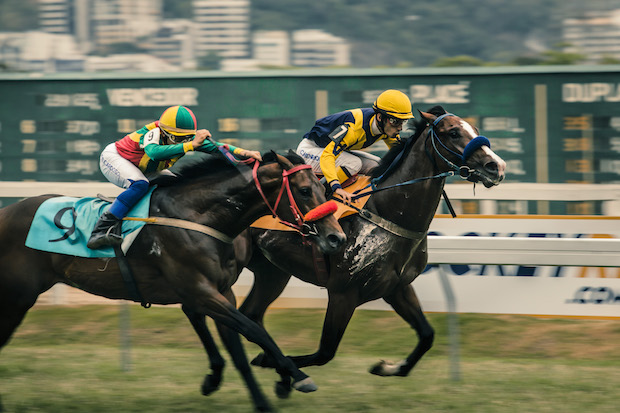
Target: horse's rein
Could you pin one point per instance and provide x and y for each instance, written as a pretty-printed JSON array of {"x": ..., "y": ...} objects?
[
  {"x": 301, "y": 221},
  {"x": 463, "y": 171}
]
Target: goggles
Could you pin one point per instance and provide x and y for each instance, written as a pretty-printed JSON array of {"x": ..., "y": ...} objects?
[
  {"x": 396, "y": 122},
  {"x": 177, "y": 139}
]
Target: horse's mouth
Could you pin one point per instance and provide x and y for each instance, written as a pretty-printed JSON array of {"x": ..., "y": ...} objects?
[{"x": 486, "y": 180}]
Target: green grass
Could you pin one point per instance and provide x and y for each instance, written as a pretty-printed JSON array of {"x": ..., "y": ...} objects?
[{"x": 68, "y": 360}]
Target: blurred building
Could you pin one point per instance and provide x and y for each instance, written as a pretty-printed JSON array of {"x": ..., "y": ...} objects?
[
  {"x": 123, "y": 21},
  {"x": 95, "y": 35},
  {"x": 595, "y": 35},
  {"x": 271, "y": 48},
  {"x": 174, "y": 43},
  {"x": 39, "y": 51},
  {"x": 55, "y": 16},
  {"x": 138, "y": 62},
  {"x": 317, "y": 48},
  {"x": 222, "y": 28}
]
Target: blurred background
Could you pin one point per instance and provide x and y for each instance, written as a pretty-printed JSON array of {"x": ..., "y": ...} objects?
[{"x": 539, "y": 78}]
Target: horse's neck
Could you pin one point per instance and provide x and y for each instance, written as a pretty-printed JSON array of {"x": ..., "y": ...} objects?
[
  {"x": 229, "y": 205},
  {"x": 411, "y": 206}
]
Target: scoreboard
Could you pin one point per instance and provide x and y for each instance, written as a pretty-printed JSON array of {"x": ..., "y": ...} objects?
[{"x": 551, "y": 124}]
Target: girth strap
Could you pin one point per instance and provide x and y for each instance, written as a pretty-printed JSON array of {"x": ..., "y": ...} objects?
[{"x": 128, "y": 279}]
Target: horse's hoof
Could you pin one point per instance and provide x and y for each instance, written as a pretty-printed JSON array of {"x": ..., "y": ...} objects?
[
  {"x": 283, "y": 390},
  {"x": 258, "y": 360},
  {"x": 385, "y": 368},
  {"x": 210, "y": 384},
  {"x": 263, "y": 360},
  {"x": 306, "y": 385}
]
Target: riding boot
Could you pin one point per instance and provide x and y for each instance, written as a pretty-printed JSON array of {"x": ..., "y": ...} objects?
[{"x": 107, "y": 232}]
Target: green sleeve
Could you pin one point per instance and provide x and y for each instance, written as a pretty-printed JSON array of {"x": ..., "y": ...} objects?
[
  {"x": 211, "y": 146},
  {"x": 164, "y": 152}
]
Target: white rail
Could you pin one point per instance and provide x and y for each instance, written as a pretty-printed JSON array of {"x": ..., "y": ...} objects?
[{"x": 580, "y": 252}]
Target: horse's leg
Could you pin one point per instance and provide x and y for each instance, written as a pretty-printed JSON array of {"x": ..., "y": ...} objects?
[
  {"x": 10, "y": 319},
  {"x": 235, "y": 348},
  {"x": 340, "y": 309},
  {"x": 212, "y": 381},
  {"x": 269, "y": 282},
  {"x": 406, "y": 304},
  {"x": 216, "y": 306}
]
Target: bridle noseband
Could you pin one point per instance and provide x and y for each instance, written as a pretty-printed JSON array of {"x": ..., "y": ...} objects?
[{"x": 464, "y": 171}]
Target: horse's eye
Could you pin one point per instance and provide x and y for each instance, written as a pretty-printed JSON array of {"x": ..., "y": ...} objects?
[{"x": 305, "y": 192}]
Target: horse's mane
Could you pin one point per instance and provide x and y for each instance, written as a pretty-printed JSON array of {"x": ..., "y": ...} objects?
[
  {"x": 404, "y": 145},
  {"x": 200, "y": 164}
]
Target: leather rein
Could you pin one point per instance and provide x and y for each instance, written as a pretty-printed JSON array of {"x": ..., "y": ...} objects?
[
  {"x": 304, "y": 226},
  {"x": 463, "y": 171}
]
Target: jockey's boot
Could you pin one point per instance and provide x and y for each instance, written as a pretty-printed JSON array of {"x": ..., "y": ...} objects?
[{"x": 107, "y": 232}]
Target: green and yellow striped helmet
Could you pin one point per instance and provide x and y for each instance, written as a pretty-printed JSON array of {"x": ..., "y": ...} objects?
[{"x": 178, "y": 121}]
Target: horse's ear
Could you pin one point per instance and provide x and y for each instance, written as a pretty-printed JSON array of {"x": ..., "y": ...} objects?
[
  {"x": 284, "y": 163},
  {"x": 428, "y": 117}
]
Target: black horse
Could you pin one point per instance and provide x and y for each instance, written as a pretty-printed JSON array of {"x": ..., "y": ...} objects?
[
  {"x": 178, "y": 265},
  {"x": 386, "y": 246}
]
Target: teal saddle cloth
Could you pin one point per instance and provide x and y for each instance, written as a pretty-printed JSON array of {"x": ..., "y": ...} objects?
[{"x": 64, "y": 224}]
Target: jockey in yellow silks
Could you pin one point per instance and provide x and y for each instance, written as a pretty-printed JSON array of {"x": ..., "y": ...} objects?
[{"x": 333, "y": 147}]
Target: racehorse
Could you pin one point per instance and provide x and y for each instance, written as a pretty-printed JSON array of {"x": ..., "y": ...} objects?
[
  {"x": 386, "y": 246},
  {"x": 173, "y": 264}
]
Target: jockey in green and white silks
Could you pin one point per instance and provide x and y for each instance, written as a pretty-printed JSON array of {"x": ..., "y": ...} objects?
[{"x": 152, "y": 148}]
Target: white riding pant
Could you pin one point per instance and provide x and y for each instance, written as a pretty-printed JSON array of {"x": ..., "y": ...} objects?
[
  {"x": 354, "y": 161},
  {"x": 117, "y": 169}
]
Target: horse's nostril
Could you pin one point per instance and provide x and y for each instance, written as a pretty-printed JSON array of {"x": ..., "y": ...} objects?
[
  {"x": 491, "y": 166},
  {"x": 335, "y": 240}
]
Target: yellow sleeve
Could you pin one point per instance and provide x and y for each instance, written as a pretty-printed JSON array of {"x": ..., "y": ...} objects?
[
  {"x": 328, "y": 163},
  {"x": 328, "y": 158}
]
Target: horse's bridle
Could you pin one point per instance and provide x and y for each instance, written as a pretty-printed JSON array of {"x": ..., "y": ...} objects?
[
  {"x": 464, "y": 171},
  {"x": 303, "y": 223}
]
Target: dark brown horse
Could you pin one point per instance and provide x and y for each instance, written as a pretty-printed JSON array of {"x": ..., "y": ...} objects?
[
  {"x": 386, "y": 243},
  {"x": 177, "y": 265}
]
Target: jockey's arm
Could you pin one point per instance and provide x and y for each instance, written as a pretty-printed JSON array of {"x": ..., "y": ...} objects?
[
  {"x": 212, "y": 146},
  {"x": 334, "y": 176},
  {"x": 164, "y": 152}
]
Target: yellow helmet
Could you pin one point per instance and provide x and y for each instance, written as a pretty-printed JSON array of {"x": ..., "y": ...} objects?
[{"x": 393, "y": 103}]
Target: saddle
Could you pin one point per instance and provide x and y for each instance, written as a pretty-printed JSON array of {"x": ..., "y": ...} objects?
[{"x": 63, "y": 225}]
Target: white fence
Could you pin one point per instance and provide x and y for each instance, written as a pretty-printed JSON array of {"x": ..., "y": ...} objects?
[{"x": 509, "y": 266}]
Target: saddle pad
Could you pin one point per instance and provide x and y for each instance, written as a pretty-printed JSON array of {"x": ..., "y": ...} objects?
[
  {"x": 64, "y": 224},
  {"x": 269, "y": 222}
]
